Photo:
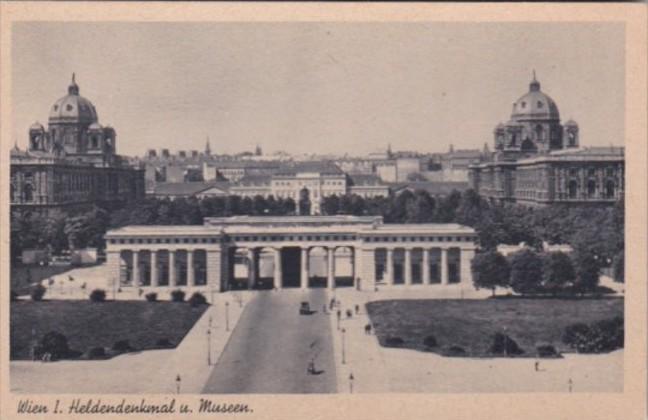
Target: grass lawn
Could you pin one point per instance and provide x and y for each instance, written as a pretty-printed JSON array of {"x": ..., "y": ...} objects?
[
  {"x": 23, "y": 277},
  {"x": 471, "y": 323},
  {"x": 87, "y": 324}
]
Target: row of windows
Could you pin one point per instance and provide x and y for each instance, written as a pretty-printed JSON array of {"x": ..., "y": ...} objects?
[
  {"x": 165, "y": 241},
  {"x": 419, "y": 239},
  {"x": 289, "y": 238}
]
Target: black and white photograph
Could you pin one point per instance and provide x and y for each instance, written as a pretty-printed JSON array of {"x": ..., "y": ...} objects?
[{"x": 315, "y": 207}]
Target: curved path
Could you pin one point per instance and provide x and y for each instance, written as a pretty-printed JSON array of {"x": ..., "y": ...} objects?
[{"x": 271, "y": 346}]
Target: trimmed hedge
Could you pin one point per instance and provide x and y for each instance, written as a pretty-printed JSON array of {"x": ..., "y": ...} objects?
[
  {"x": 394, "y": 342},
  {"x": 38, "y": 292},
  {"x": 98, "y": 295},
  {"x": 197, "y": 299},
  {"x": 177, "y": 296},
  {"x": 455, "y": 351},
  {"x": 122, "y": 346},
  {"x": 430, "y": 341},
  {"x": 502, "y": 344},
  {"x": 547, "y": 351},
  {"x": 151, "y": 297},
  {"x": 55, "y": 344},
  {"x": 97, "y": 353}
]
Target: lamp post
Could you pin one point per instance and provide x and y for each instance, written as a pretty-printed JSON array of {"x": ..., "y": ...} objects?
[
  {"x": 178, "y": 380},
  {"x": 211, "y": 291},
  {"x": 226, "y": 316},
  {"x": 343, "y": 347},
  {"x": 209, "y": 341},
  {"x": 351, "y": 378},
  {"x": 570, "y": 383}
]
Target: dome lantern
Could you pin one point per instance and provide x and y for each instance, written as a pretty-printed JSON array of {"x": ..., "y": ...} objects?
[
  {"x": 534, "y": 86},
  {"x": 73, "y": 89}
]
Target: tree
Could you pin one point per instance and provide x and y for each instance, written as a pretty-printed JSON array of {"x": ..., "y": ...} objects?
[
  {"x": 304, "y": 201},
  {"x": 490, "y": 270},
  {"x": 526, "y": 272},
  {"x": 588, "y": 270},
  {"x": 331, "y": 205},
  {"x": 557, "y": 271},
  {"x": 618, "y": 267}
]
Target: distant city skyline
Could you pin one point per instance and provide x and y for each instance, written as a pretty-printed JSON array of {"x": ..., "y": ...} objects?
[{"x": 318, "y": 87}]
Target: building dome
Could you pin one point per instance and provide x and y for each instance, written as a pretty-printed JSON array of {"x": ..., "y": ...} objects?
[
  {"x": 36, "y": 127},
  {"x": 73, "y": 108},
  {"x": 535, "y": 105}
]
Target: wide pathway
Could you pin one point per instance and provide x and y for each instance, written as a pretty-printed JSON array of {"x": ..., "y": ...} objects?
[{"x": 272, "y": 344}]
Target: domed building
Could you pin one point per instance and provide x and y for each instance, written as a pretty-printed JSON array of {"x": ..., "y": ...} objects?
[
  {"x": 538, "y": 161},
  {"x": 73, "y": 164}
]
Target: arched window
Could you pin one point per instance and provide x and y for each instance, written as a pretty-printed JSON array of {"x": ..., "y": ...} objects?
[
  {"x": 591, "y": 188},
  {"x": 94, "y": 142},
  {"x": 28, "y": 192},
  {"x": 609, "y": 189},
  {"x": 539, "y": 133},
  {"x": 573, "y": 189},
  {"x": 513, "y": 140}
]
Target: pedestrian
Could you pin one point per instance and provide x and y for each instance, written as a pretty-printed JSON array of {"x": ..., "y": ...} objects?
[
  {"x": 339, "y": 314},
  {"x": 349, "y": 313},
  {"x": 368, "y": 329},
  {"x": 537, "y": 366},
  {"x": 332, "y": 304},
  {"x": 324, "y": 309},
  {"x": 357, "y": 309}
]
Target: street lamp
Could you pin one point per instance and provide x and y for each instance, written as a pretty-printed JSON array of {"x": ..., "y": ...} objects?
[
  {"x": 178, "y": 380},
  {"x": 343, "y": 347},
  {"x": 570, "y": 382},
  {"x": 351, "y": 378},
  {"x": 211, "y": 291},
  {"x": 209, "y": 341},
  {"x": 226, "y": 316}
]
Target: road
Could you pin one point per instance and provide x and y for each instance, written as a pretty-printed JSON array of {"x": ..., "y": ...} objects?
[{"x": 271, "y": 346}]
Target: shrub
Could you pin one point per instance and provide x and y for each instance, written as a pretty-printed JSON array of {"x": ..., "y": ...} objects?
[
  {"x": 575, "y": 333},
  {"x": 177, "y": 296},
  {"x": 502, "y": 344},
  {"x": 455, "y": 351},
  {"x": 601, "y": 336},
  {"x": 38, "y": 292},
  {"x": 394, "y": 342},
  {"x": 197, "y": 299},
  {"x": 55, "y": 344},
  {"x": 97, "y": 353},
  {"x": 430, "y": 341},
  {"x": 546, "y": 350},
  {"x": 151, "y": 297},
  {"x": 163, "y": 342},
  {"x": 98, "y": 295},
  {"x": 122, "y": 346}
]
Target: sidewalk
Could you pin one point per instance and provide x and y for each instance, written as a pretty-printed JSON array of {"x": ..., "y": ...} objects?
[{"x": 151, "y": 371}]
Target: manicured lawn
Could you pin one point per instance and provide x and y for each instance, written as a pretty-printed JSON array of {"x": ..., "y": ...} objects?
[
  {"x": 471, "y": 323},
  {"x": 87, "y": 324}
]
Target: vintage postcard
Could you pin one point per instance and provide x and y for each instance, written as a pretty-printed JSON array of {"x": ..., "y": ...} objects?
[{"x": 334, "y": 211}]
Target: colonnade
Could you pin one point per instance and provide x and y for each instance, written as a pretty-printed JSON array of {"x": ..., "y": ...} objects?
[{"x": 174, "y": 275}]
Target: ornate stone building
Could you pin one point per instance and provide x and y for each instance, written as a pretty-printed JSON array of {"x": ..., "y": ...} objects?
[
  {"x": 538, "y": 161},
  {"x": 73, "y": 164}
]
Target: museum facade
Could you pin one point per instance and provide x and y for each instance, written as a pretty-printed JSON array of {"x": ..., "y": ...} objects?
[
  {"x": 73, "y": 164},
  {"x": 538, "y": 161},
  {"x": 244, "y": 252}
]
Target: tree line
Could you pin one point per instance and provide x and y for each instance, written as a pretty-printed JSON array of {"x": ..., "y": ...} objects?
[{"x": 593, "y": 231}]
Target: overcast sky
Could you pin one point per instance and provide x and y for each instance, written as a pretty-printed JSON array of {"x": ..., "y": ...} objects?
[{"x": 311, "y": 87}]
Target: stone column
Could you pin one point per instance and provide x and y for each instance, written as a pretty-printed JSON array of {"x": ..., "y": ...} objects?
[
  {"x": 172, "y": 269},
  {"x": 136, "y": 279},
  {"x": 408, "y": 266},
  {"x": 444, "y": 265},
  {"x": 426, "y": 266},
  {"x": 251, "y": 268},
  {"x": 303, "y": 279},
  {"x": 154, "y": 271},
  {"x": 368, "y": 266},
  {"x": 278, "y": 272},
  {"x": 466, "y": 256},
  {"x": 389, "y": 269},
  {"x": 191, "y": 275},
  {"x": 214, "y": 266},
  {"x": 114, "y": 269},
  {"x": 330, "y": 273}
]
